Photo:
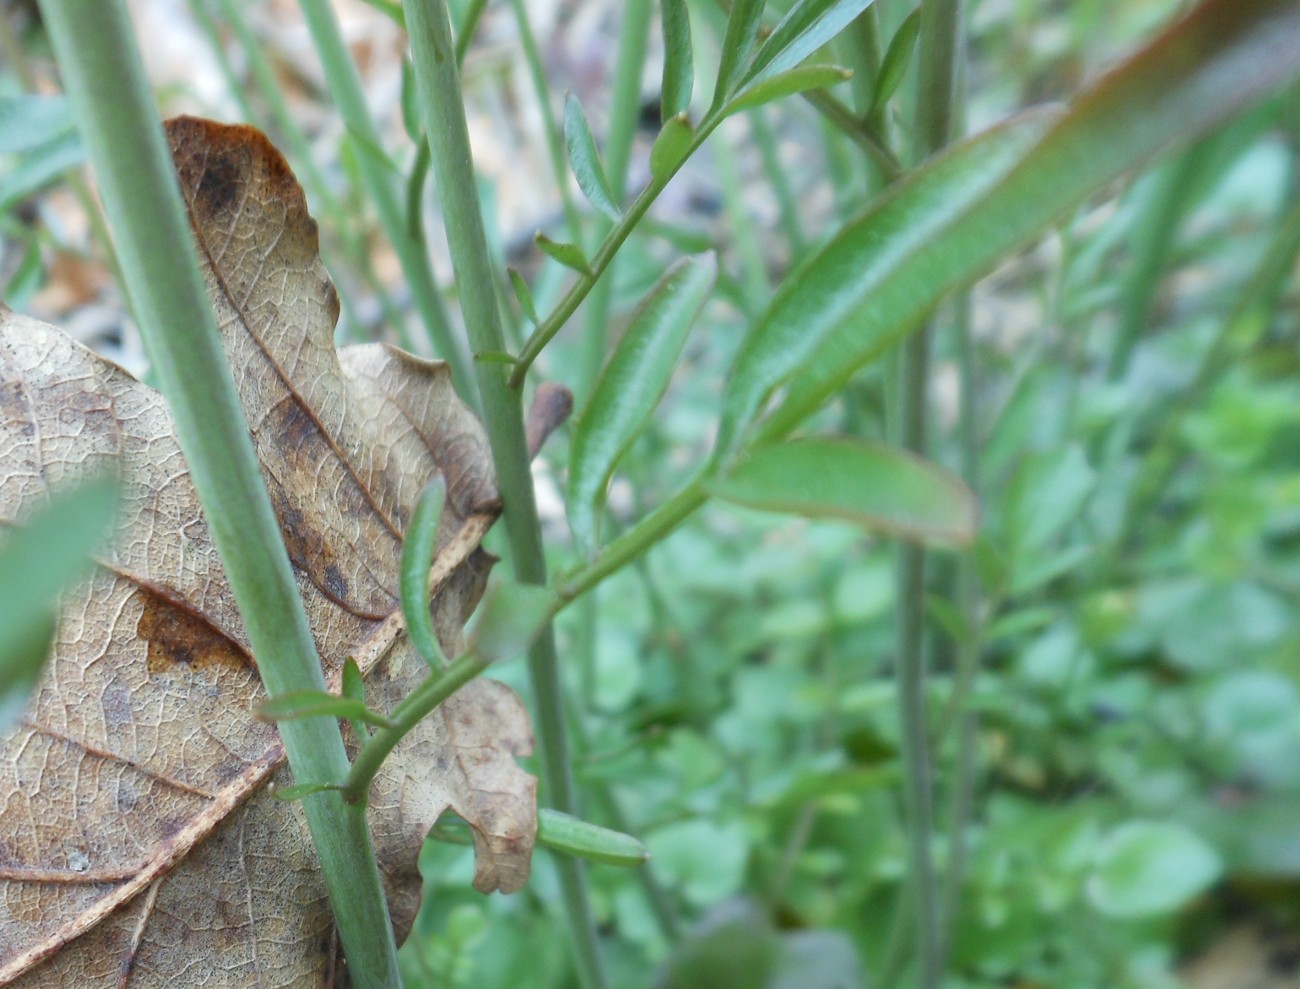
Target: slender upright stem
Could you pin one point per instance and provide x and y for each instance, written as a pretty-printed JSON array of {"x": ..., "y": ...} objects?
[
  {"x": 936, "y": 86},
  {"x": 97, "y": 55},
  {"x": 550, "y": 125},
  {"x": 600, "y": 262},
  {"x": 623, "y": 115},
  {"x": 345, "y": 87},
  {"x": 453, "y": 167}
]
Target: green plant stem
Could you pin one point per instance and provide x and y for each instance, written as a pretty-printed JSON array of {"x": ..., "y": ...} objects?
[
  {"x": 744, "y": 233},
  {"x": 453, "y": 167},
  {"x": 97, "y": 55},
  {"x": 1176, "y": 185},
  {"x": 601, "y": 260},
  {"x": 1257, "y": 298},
  {"x": 15, "y": 55},
  {"x": 468, "y": 24},
  {"x": 654, "y": 528},
  {"x": 624, "y": 112},
  {"x": 345, "y": 87},
  {"x": 285, "y": 127},
  {"x": 863, "y": 135},
  {"x": 550, "y": 125},
  {"x": 970, "y": 646},
  {"x": 777, "y": 177},
  {"x": 414, "y": 707},
  {"x": 936, "y": 82}
]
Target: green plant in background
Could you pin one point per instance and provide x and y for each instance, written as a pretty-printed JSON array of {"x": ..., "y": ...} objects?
[{"x": 1085, "y": 699}]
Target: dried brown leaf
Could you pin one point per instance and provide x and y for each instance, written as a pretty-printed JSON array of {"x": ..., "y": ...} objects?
[{"x": 138, "y": 843}]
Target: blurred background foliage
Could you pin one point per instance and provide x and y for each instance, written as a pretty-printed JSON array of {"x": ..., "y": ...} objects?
[{"x": 1133, "y": 818}]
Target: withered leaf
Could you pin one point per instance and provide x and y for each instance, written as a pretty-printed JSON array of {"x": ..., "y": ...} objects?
[{"x": 138, "y": 843}]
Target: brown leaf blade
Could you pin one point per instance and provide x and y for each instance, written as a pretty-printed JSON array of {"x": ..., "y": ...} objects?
[{"x": 138, "y": 844}]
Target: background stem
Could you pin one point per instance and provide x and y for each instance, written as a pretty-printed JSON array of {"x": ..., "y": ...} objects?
[
  {"x": 345, "y": 87},
  {"x": 453, "y": 167},
  {"x": 936, "y": 80}
]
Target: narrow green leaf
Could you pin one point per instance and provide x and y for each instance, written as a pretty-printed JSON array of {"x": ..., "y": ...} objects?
[
  {"x": 417, "y": 557},
  {"x": 881, "y": 279},
  {"x": 299, "y": 790},
  {"x": 798, "y": 80},
  {"x": 737, "y": 47},
  {"x": 311, "y": 703},
  {"x": 630, "y": 387},
  {"x": 564, "y": 833},
  {"x": 496, "y": 357},
  {"x": 806, "y": 27},
  {"x": 835, "y": 285},
  {"x": 561, "y": 833},
  {"x": 415, "y": 190},
  {"x": 509, "y": 619},
  {"x": 28, "y": 121},
  {"x": 354, "y": 688},
  {"x": 893, "y": 67},
  {"x": 671, "y": 146},
  {"x": 524, "y": 296},
  {"x": 679, "y": 64},
  {"x": 354, "y": 685},
  {"x": 569, "y": 255},
  {"x": 38, "y": 559},
  {"x": 584, "y": 159},
  {"x": 876, "y": 487},
  {"x": 37, "y": 167},
  {"x": 411, "y": 103}
]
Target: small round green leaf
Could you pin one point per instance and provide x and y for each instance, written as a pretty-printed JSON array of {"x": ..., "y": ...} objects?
[{"x": 1144, "y": 868}]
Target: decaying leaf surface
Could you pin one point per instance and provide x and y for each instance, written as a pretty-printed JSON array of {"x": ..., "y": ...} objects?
[{"x": 138, "y": 843}]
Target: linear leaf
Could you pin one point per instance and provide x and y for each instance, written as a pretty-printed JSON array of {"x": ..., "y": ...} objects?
[
  {"x": 574, "y": 836},
  {"x": 832, "y": 287},
  {"x": 310, "y": 703},
  {"x": 569, "y": 255},
  {"x": 1220, "y": 59},
  {"x": 877, "y": 487},
  {"x": 37, "y": 167},
  {"x": 897, "y": 57},
  {"x": 524, "y": 296},
  {"x": 679, "y": 67},
  {"x": 584, "y": 159},
  {"x": 737, "y": 47},
  {"x": 808, "y": 25},
  {"x": 630, "y": 387},
  {"x": 797, "y": 80},
  {"x": 28, "y": 121},
  {"x": 413, "y": 584},
  {"x": 38, "y": 559}
]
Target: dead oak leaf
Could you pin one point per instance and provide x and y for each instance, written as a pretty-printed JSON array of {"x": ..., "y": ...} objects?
[{"x": 138, "y": 844}]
